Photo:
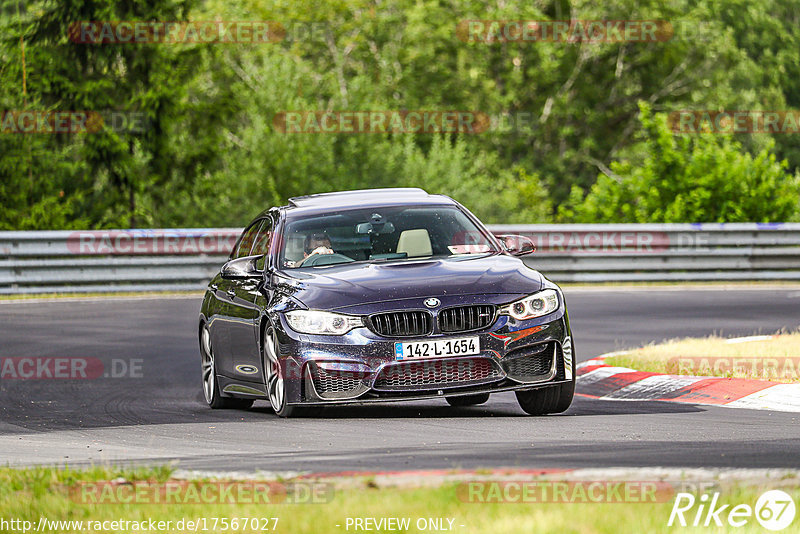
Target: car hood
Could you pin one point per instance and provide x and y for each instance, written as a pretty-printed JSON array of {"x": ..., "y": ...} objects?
[{"x": 348, "y": 285}]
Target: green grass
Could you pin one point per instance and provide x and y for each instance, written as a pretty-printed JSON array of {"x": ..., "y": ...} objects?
[
  {"x": 776, "y": 359},
  {"x": 29, "y": 494}
]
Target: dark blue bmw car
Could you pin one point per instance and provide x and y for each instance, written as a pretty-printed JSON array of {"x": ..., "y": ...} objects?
[{"x": 382, "y": 295}]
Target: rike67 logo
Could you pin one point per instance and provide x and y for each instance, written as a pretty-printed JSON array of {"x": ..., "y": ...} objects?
[{"x": 774, "y": 510}]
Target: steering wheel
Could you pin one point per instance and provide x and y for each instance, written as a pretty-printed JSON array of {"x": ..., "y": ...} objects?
[{"x": 316, "y": 260}]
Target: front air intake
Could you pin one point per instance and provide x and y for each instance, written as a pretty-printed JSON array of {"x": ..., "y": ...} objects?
[
  {"x": 466, "y": 318},
  {"x": 401, "y": 324}
]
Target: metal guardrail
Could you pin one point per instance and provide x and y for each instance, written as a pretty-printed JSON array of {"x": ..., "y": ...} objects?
[
  {"x": 176, "y": 259},
  {"x": 664, "y": 252}
]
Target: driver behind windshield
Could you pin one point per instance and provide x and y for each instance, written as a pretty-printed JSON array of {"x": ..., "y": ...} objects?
[
  {"x": 396, "y": 233},
  {"x": 315, "y": 243},
  {"x": 318, "y": 243}
]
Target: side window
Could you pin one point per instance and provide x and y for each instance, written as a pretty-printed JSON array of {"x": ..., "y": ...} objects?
[
  {"x": 263, "y": 239},
  {"x": 246, "y": 241}
]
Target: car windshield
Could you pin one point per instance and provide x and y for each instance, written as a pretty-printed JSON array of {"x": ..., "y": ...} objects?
[{"x": 380, "y": 234}]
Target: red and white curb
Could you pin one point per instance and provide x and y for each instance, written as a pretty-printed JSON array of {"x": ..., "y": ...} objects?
[{"x": 598, "y": 380}]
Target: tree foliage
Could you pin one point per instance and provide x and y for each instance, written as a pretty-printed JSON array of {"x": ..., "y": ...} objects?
[
  {"x": 702, "y": 178},
  {"x": 212, "y": 156}
]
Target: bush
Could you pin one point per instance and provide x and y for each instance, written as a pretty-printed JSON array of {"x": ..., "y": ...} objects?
[{"x": 688, "y": 178}]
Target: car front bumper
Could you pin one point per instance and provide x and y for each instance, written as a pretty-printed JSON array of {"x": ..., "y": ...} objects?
[{"x": 360, "y": 367}]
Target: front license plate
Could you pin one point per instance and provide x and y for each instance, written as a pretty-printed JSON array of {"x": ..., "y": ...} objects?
[{"x": 440, "y": 348}]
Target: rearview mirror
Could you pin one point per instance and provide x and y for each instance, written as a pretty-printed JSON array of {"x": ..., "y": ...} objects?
[
  {"x": 242, "y": 268},
  {"x": 517, "y": 245},
  {"x": 374, "y": 228}
]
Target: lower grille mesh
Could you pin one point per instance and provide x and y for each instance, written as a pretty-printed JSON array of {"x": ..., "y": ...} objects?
[
  {"x": 437, "y": 374},
  {"x": 530, "y": 363},
  {"x": 337, "y": 384}
]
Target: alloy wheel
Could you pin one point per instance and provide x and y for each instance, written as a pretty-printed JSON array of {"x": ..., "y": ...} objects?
[
  {"x": 276, "y": 389},
  {"x": 207, "y": 362}
]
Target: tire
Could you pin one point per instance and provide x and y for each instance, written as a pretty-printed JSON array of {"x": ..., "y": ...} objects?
[
  {"x": 552, "y": 399},
  {"x": 467, "y": 400},
  {"x": 211, "y": 390},
  {"x": 274, "y": 376}
]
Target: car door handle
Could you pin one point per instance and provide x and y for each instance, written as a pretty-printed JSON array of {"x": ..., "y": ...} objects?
[{"x": 231, "y": 293}]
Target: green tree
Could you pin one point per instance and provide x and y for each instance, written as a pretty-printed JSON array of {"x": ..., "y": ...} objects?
[
  {"x": 114, "y": 177},
  {"x": 688, "y": 178},
  {"x": 211, "y": 155}
]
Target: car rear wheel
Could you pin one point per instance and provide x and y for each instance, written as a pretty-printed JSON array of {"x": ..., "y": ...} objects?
[
  {"x": 467, "y": 400},
  {"x": 210, "y": 384},
  {"x": 274, "y": 376},
  {"x": 552, "y": 399}
]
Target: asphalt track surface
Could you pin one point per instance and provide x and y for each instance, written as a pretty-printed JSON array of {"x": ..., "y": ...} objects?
[{"x": 160, "y": 415}]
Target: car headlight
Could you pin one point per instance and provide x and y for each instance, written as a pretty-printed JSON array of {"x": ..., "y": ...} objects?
[
  {"x": 321, "y": 322},
  {"x": 535, "y": 305}
]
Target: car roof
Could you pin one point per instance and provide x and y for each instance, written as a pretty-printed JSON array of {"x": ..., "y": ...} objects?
[
  {"x": 362, "y": 198},
  {"x": 339, "y": 198}
]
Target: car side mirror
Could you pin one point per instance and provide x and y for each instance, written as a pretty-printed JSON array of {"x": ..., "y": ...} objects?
[
  {"x": 517, "y": 245},
  {"x": 242, "y": 268}
]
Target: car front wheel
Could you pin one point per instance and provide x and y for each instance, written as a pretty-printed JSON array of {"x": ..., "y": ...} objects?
[
  {"x": 551, "y": 399},
  {"x": 274, "y": 376}
]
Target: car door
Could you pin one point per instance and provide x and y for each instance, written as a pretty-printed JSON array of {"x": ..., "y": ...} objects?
[
  {"x": 244, "y": 358},
  {"x": 232, "y": 324}
]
